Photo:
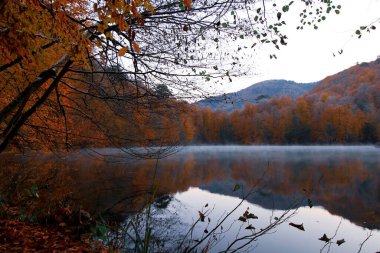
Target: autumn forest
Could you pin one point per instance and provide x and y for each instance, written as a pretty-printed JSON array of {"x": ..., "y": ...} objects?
[
  {"x": 341, "y": 109},
  {"x": 105, "y": 146},
  {"x": 62, "y": 83}
]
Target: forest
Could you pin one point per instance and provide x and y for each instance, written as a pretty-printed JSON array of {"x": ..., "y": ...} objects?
[{"x": 343, "y": 108}]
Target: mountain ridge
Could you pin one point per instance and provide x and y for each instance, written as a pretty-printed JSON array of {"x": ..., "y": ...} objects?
[{"x": 256, "y": 93}]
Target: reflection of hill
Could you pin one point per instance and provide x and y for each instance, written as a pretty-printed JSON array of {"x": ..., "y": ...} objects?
[
  {"x": 358, "y": 207},
  {"x": 262, "y": 197},
  {"x": 346, "y": 184}
]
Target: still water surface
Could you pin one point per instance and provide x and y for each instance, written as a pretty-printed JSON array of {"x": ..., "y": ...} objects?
[{"x": 342, "y": 183}]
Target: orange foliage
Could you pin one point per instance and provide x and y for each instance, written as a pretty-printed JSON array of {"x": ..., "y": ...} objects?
[
  {"x": 283, "y": 120},
  {"x": 39, "y": 41}
]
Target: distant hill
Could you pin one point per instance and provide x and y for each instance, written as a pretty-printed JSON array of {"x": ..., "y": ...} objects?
[
  {"x": 358, "y": 86},
  {"x": 256, "y": 93},
  {"x": 342, "y": 108}
]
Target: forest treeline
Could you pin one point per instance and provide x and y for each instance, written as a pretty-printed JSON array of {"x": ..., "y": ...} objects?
[
  {"x": 343, "y": 108},
  {"x": 306, "y": 120},
  {"x": 286, "y": 121}
]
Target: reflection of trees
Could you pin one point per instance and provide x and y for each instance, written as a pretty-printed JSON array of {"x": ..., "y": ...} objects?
[
  {"x": 348, "y": 187},
  {"x": 35, "y": 189}
]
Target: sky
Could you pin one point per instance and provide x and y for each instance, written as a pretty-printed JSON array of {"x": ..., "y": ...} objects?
[{"x": 308, "y": 57}]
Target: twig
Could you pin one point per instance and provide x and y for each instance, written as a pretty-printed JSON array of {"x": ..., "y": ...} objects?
[{"x": 366, "y": 239}]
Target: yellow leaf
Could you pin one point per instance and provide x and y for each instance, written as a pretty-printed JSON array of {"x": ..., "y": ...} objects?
[
  {"x": 99, "y": 43},
  {"x": 136, "y": 47},
  {"x": 122, "y": 51},
  {"x": 122, "y": 24},
  {"x": 149, "y": 6}
]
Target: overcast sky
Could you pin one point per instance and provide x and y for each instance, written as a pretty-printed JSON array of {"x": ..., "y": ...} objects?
[{"x": 308, "y": 57}]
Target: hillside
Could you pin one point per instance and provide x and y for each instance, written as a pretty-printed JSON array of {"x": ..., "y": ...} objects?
[
  {"x": 256, "y": 93},
  {"x": 342, "y": 108},
  {"x": 358, "y": 86}
]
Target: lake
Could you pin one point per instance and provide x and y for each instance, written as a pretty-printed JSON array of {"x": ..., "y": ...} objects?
[{"x": 332, "y": 190}]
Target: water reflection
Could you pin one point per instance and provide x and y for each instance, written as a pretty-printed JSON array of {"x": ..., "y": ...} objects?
[
  {"x": 283, "y": 238},
  {"x": 345, "y": 181}
]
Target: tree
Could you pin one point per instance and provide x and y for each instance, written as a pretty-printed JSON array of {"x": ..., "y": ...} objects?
[
  {"x": 369, "y": 133},
  {"x": 163, "y": 92},
  {"x": 52, "y": 51}
]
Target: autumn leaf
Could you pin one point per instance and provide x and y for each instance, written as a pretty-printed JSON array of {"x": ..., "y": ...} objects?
[
  {"x": 149, "y": 6},
  {"x": 298, "y": 226},
  {"x": 122, "y": 51},
  {"x": 250, "y": 227},
  {"x": 249, "y": 215},
  {"x": 324, "y": 238},
  {"x": 136, "y": 47},
  {"x": 187, "y": 4},
  {"x": 122, "y": 24},
  {"x": 201, "y": 216},
  {"x": 341, "y": 241},
  {"x": 140, "y": 21}
]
